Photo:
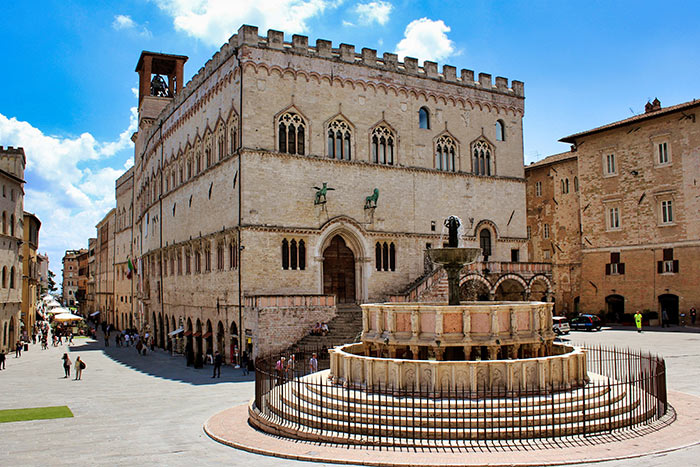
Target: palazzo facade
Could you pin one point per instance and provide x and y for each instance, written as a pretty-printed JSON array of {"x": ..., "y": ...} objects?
[{"x": 292, "y": 177}]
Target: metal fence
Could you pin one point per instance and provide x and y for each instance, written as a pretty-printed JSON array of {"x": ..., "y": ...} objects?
[{"x": 627, "y": 389}]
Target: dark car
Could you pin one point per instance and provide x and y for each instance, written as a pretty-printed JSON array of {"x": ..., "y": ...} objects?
[{"x": 586, "y": 323}]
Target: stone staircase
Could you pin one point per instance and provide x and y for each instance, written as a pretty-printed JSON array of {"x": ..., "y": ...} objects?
[
  {"x": 344, "y": 328},
  {"x": 308, "y": 408}
]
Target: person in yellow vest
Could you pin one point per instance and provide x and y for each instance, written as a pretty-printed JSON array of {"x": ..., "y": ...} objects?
[{"x": 638, "y": 320}]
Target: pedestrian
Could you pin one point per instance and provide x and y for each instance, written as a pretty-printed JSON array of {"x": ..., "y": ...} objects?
[
  {"x": 664, "y": 318},
  {"x": 66, "y": 365},
  {"x": 693, "y": 316},
  {"x": 18, "y": 349},
  {"x": 2, "y": 359},
  {"x": 138, "y": 347},
  {"x": 245, "y": 362},
  {"x": 79, "y": 367},
  {"x": 313, "y": 364},
  {"x": 638, "y": 320},
  {"x": 279, "y": 369},
  {"x": 126, "y": 339},
  {"x": 70, "y": 337},
  {"x": 218, "y": 360}
]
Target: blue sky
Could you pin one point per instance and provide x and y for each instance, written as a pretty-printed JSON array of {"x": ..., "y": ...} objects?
[{"x": 68, "y": 78}]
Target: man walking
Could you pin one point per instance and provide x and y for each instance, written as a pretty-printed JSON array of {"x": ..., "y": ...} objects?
[
  {"x": 693, "y": 316},
  {"x": 664, "y": 318},
  {"x": 218, "y": 360},
  {"x": 313, "y": 364},
  {"x": 638, "y": 320}
]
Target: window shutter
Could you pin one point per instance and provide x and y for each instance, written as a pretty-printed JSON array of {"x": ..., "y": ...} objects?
[
  {"x": 621, "y": 268},
  {"x": 675, "y": 265},
  {"x": 668, "y": 254},
  {"x": 614, "y": 257},
  {"x": 607, "y": 269},
  {"x": 659, "y": 267}
]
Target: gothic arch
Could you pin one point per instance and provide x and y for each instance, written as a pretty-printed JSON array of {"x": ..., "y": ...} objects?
[{"x": 355, "y": 239}]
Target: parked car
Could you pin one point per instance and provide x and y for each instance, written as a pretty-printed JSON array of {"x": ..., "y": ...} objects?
[
  {"x": 586, "y": 323},
  {"x": 560, "y": 325}
]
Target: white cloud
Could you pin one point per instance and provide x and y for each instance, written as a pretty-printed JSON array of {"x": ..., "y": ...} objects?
[
  {"x": 125, "y": 23},
  {"x": 215, "y": 21},
  {"x": 427, "y": 40},
  {"x": 70, "y": 182},
  {"x": 374, "y": 12}
]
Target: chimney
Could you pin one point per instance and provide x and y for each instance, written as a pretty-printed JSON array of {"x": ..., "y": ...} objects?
[{"x": 652, "y": 106}]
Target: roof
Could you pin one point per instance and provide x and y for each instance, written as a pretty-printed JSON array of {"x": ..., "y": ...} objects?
[
  {"x": 159, "y": 67},
  {"x": 637, "y": 118},
  {"x": 549, "y": 160}
]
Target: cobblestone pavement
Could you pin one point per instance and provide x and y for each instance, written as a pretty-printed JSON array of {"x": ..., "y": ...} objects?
[{"x": 149, "y": 410}]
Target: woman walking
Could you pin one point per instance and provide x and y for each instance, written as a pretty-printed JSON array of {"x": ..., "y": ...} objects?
[
  {"x": 79, "y": 367},
  {"x": 66, "y": 365}
]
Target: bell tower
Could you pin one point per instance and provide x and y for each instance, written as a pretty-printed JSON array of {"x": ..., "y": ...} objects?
[{"x": 160, "y": 79}]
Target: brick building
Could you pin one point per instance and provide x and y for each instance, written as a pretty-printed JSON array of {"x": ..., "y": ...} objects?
[
  {"x": 104, "y": 268},
  {"x": 71, "y": 273},
  {"x": 554, "y": 225},
  {"x": 12, "y": 164}
]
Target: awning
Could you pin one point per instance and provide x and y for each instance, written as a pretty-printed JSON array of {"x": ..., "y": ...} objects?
[
  {"x": 188, "y": 333},
  {"x": 177, "y": 331},
  {"x": 95, "y": 313},
  {"x": 207, "y": 335},
  {"x": 197, "y": 334}
]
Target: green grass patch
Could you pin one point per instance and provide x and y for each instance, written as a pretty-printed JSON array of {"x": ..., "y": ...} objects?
[{"x": 37, "y": 413}]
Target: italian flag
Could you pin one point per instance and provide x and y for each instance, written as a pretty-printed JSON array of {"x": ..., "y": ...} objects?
[{"x": 130, "y": 265}]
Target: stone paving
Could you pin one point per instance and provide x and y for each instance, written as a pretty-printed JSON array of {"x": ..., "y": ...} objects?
[{"x": 149, "y": 410}]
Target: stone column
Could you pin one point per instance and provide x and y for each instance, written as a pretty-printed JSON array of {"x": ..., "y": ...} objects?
[
  {"x": 415, "y": 324},
  {"x": 439, "y": 353},
  {"x": 493, "y": 352},
  {"x": 467, "y": 352},
  {"x": 414, "y": 352},
  {"x": 453, "y": 271},
  {"x": 466, "y": 323}
]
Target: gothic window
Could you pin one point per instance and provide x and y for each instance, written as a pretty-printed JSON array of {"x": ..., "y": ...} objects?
[
  {"x": 575, "y": 183},
  {"x": 199, "y": 161},
  {"x": 188, "y": 263},
  {"x": 222, "y": 145},
  {"x": 339, "y": 140},
  {"x": 4, "y": 277},
  {"x": 220, "y": 257},
  {"x": 500, "y": 130},
  {"x": 233, "y": 139},
  {"x": 189, "y": 169},
  {"x": 385, "y": 256},
  {"x": 179, "y": 264},
  {"x": 293, "y": 254},
  {"x": 207, "y": 151},
  {"x": 232, "y": 255},
  {"x": 424, "y": 118},
  {"x": 481, "y": 158},
  {"x": 12, "y": 224},
  {"x": 207, "y": 259},
  {"x": 383, "y": 144},
  {"x": 12, "y": 277},
  {"x": 485, "y": 242},
  {"x": 445, "y": 154},
  {"x": 4, "y": 223},
  {"x": 172, "y": 265},
  {"x": 197, "y": 261},
  {"x": 291, "y": 128}
]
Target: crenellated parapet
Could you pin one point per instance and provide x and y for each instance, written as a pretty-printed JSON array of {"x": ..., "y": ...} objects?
[{"x": 13, "y": 161}]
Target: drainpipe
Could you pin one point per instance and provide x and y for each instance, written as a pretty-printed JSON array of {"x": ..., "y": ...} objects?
[{"x": 240, "y": 206}]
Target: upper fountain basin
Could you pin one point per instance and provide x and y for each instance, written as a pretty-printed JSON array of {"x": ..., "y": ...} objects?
[{"x": 454, "y": 255}]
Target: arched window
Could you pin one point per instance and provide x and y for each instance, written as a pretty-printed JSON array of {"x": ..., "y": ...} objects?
[
  {"x": 199, "y": 161},
  {"x": 232, "y": 255},
  {"x": 4, "y": 222},
  {"x": 291, "y": 128},
  {"x": 293, "y": 254},
  {"x": 485, "y": 242},
  {"x": 562, "y": 187},
  {"x": 12, "y": 277},
  {"x": 575, "y": 183},
  {"x": 385, "y": 256},
  {"x": 4, "y": 277},
  {"x": 233, "y": 139},
  {"x": 566, "y": 183},
  {"x": 207, "y": 151},
  {"x": 339, "y": 139},
  {"x": 12, "y": 224},
  {"x": 481, "y": 162},
  {"x": 220, "y": 257},
  {"x": 445, "y": 154},
  {"x": 383, "y": 143},
  {"x": 500, "y": 130},
  {"x": 424, "y": 118}
]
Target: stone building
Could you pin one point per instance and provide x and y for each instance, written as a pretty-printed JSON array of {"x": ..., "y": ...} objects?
[
  {"x": 43, "y": 261},
  {"x": 639, "y": 203},
  {"x": 81, "y": 294},
  {"x": 124, "y": 282},
  {"x": 104, "y": 268},
  {"x": 286, "y": 177},
  {"x": 90, "y": 283},
  {"x": 31, "y": 288},
  {"x": 70, "y": 276},
  {"x": 554, "y": 225},
  {"x": 12, "y": 164}
]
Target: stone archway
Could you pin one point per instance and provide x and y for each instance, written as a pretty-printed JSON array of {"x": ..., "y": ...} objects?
[
  {"x": 510, "y": 287},
  {"x": 339, "y": 271},
  {"x": 539, "y": 289},
  {"x": 475, "y": 288},
  {"x": 353, "y": 235}
]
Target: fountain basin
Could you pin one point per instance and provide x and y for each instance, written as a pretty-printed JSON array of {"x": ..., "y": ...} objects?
[{"x": 459, "y": 256}]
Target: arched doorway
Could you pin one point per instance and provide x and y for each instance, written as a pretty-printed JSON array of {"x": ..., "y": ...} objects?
[
  {"x": 339, "y": 271},
  {"x": 220, "y": 338},
  {"x": 669, "y": 302},
  {"x": 473, "y": 290},
  {"x": 11, "y": 332},
  {"x": 189, "y": 345},
  {"x": 198, "y": 342},
  {"x": 615, "y": 305},
  {"x": 161, "y": 332},
  {"x": 209, "y": 340},
  {"x": 538, "y": 290},
  {"x": 234, "y": 342},
  {"x": 510, "y": 290},
  {"x": 154, "y": 327}
]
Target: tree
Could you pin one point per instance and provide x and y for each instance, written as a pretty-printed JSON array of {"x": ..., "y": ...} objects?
[{"x": 52, "y": 282}]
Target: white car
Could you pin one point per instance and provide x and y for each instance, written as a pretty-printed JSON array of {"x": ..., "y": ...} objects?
[{"x": 560, "y": 325}]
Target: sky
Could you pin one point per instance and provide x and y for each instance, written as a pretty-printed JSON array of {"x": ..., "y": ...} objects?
[{"x": 69, "y": 87}]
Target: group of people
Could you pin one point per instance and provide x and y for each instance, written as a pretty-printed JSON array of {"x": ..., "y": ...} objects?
[
  {"x": 131, "y": 337},
  {"x": 286, "y": 367},
  {"x": 665, "y": 322},
  {"x": 321, "y": 329},
  {"x": 79, "y": 367}
]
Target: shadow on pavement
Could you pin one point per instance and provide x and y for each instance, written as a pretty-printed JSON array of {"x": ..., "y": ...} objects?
[{"x": 161, "y": 364}]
